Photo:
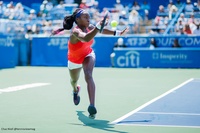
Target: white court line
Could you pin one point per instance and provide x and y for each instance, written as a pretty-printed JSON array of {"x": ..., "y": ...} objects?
[
  {"x": 162, "y": 113},
  {"x": 148, "y": 103},
  {"x": 22, "y": 87},
  {"x": 145, "y": 125}
]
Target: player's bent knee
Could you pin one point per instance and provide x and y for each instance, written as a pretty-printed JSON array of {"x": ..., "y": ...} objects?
[{"x": 73, "y": 81}]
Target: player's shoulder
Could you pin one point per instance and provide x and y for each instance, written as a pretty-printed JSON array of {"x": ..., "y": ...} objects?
[{"x": 75, "y": 29}]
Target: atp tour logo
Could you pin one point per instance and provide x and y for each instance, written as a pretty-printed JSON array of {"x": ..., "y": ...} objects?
[
  {"x": 58, "y": 42},
  {"x": 137, "y": 41},
  {"x": 130, "y": 59}
]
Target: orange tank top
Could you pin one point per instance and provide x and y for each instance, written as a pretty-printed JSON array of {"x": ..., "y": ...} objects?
[{"x": 78, "y": 51}]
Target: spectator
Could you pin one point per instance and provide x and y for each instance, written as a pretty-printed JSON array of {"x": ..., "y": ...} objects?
[
  {"x": 195, "y": 9},
  {"x": 32, "y": 15},
  {"x": 158, "y": 25},
  {"x": 161, "y": 11},
  {"x": 172, "y": 11},
  {"x": 36, "y": 29},
  {"x": 187, "y": 29},
  {"x": 12, "y": 4},
  {"x": 183, "y": 19},
  {"x": 197, "y": 30},
  {"x": 19, "y": 11},
  {"x": 181, "y": 31},
  {"x": 119, "y": 44},
  {"x": 170, "y": 5},
  {"x": 123, "y": 19},
  {"x": 29, "y": 32},
  {"x": 136, "y": 6},
  {"x": 179, "y": 25},
  {"x": 176, "y": 43},
  {"x": 189, "y": 6},
  {"x": 118, "y": 6},
  {"x": 9, "y": 12},
  {"x": 134, "y": 20},
  {"x": 146, "y": 17},
  {"x": 178, "y": 4},
  {"x": 94, "y": 5},
  {"x": 47, "y": 28},
  {"x": 45, "y": 8},
  {"x": 193, "y": 26},
  {"x": 2, "y": 9},
  {"x": 61, "y": 5},
  {"x": 145, "y": 5},
  {"x": 94, "y": 12},
  {"x": 192, "y": 18},
  {"x": 153, "y": 43},
  {"x": 83, "y": 4}
]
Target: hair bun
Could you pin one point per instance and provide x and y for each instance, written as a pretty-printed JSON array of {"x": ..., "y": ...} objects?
[{"x": 68, "y": 22}]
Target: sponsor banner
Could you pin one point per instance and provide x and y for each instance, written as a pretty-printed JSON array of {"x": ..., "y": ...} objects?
[
  {"x": 7, "y": 52},
  {"x": 158, "y": 58},
  {"x": 52, "y": 51},
  {"x": 49, "y": 51},
  {"x": 135, "y": 41},
  {"x": 184, "y": 41}
]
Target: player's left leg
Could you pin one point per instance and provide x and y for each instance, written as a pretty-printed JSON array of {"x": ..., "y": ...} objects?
[{"x": 88, "y": 66}]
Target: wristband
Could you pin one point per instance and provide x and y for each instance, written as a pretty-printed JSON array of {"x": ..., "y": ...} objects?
[
  {"x": 98, "y": 26},
  {"x": 117, "y": 33}
]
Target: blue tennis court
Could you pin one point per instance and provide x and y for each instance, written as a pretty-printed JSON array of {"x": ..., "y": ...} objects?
[{"x": 179, "y": 107}]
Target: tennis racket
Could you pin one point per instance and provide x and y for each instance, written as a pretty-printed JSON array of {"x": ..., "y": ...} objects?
[{"x": 103, "y": 22}]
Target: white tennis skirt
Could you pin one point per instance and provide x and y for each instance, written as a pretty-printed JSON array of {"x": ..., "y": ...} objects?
[{"x": 72, "y": 65}]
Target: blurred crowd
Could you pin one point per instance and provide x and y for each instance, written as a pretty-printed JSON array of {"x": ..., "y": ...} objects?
[
  {"x": 44, "y": 17},
  {"x": 186, "y": 14}
]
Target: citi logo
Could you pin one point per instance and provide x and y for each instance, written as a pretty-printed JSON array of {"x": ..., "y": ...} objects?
[{"x": 130, "y": 59}]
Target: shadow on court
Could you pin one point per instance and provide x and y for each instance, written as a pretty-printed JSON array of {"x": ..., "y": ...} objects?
[{"x": 95, "y": 123}]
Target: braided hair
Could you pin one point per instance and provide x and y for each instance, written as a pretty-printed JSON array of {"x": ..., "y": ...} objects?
[{"x": 68, "y": 21}]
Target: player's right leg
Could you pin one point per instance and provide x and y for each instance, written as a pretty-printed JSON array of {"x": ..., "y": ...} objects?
[
  {"x": 74, "y": 74},
  {"x": 74, "y": 70}
]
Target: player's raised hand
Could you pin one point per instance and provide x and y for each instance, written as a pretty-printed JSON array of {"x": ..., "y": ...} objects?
[{"x": 123, "y": 32}]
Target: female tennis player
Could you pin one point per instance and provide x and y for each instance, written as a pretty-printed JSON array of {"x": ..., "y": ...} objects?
[{"x": 80, "y": 53}]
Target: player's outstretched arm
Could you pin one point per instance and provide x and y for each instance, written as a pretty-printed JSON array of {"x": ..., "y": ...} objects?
[
  {"x": 78, "y": 34},
  {"x": 116, "y": 32},
  {"x": 82, "y": 36}
]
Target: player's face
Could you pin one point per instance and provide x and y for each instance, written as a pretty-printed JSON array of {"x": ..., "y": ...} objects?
[{"x": 84, "y": 19}]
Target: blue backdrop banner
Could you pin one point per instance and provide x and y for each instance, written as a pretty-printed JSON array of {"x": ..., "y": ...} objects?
[
  {"x": 157, "y": 58},
  {"x": 52, "y": 51},
  {"x": 7, "y": 52},
  {"x": 49, "y": 51}
]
